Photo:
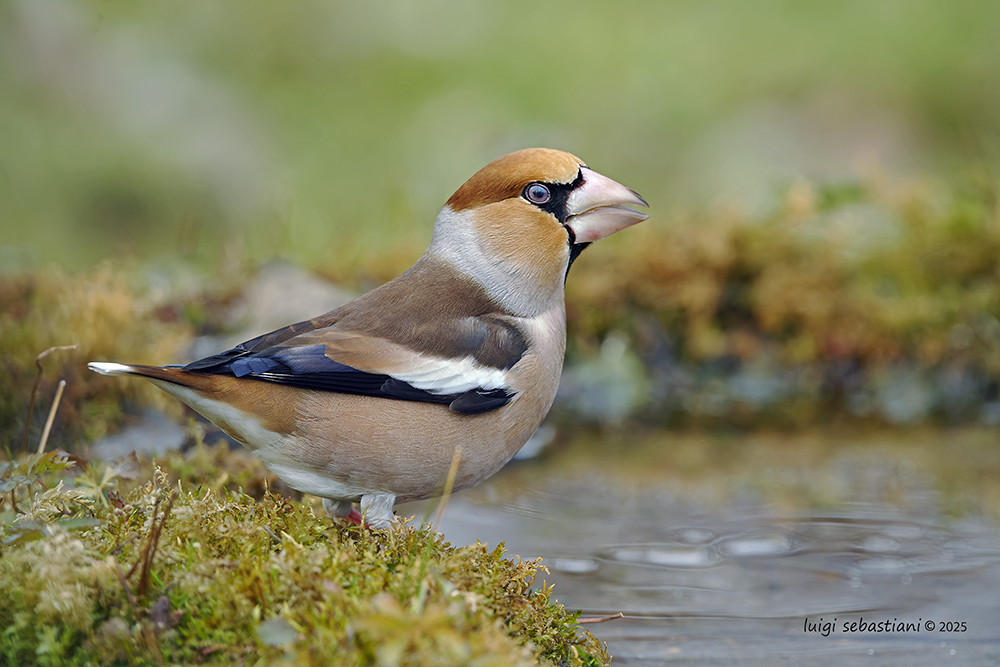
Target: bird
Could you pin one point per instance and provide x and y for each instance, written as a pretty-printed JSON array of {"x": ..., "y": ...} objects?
[{"x": 443, "y": 372}]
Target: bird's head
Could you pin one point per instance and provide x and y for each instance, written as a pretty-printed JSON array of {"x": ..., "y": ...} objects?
[{"x": 521, "y": 220}]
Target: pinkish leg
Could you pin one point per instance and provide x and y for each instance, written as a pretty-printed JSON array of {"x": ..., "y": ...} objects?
[{"x": 342, "y": 509}]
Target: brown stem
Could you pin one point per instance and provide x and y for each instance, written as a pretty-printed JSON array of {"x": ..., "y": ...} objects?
[
  {"x": 34, "y": 388},
  {"x": 600, "y": 619}
]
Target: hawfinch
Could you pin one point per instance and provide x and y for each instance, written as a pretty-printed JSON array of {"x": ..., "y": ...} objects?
[{"x": 456, "y": 360}]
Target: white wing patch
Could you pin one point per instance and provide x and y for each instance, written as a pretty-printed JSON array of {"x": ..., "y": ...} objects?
[{"x": 450, "y": 376}]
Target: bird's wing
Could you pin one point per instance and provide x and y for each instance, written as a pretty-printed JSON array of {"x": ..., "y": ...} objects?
[{"x": 461, "y": 361}]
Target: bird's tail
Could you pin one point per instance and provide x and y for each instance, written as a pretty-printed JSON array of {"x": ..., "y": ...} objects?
[{"x": 172, "y": 374}]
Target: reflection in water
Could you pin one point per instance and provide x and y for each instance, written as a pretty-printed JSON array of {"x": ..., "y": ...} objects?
[{"x": 743, "y": 580}]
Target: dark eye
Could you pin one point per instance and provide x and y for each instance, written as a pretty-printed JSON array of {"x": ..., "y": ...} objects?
[{"x": 537, "y": 193}]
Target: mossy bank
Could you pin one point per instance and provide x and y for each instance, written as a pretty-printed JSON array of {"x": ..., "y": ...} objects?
[{"x": 173, "y": 573}]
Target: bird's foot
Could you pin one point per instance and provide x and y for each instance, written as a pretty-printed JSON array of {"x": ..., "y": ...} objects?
[
  {"x": 342, "y": 509},
  {"x": 376, "y": 508}
]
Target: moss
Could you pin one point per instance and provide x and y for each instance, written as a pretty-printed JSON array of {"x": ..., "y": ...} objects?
[
  {"x": 173, "y": 573},
  {"x": 882, "y": 275},
  {"x": 832, "y": 296},
  {"x": 107, "y": 314}
]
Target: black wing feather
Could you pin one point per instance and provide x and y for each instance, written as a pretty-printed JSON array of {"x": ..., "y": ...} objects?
[{"x": 308, "y": 367}]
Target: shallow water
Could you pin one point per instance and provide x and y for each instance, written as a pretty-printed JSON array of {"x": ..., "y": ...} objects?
[{"x": 764, "y": 551}]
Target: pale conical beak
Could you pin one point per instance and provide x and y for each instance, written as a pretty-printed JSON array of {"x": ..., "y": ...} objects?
[{"x": 598, "y": 208}]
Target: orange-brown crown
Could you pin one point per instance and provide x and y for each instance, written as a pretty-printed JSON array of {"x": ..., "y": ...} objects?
[{"x": 506, "y": 176}]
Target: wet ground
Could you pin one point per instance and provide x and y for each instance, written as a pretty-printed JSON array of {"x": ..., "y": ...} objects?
[{"x": 815, "y": 549}]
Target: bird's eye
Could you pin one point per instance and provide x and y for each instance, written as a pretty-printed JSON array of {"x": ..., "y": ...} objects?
[{"x": 537, "y": 193}]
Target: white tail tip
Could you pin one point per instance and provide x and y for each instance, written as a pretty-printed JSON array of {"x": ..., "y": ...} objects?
[{"x": 110, "y": 368}]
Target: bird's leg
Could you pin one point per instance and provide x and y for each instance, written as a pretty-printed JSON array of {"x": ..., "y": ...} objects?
[
  {"x": 376, "y": 509},
  {"x": 342, "y": 509}
]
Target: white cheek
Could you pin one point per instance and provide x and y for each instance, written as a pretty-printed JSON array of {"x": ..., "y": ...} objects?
[{"x": 505, "y": 279}]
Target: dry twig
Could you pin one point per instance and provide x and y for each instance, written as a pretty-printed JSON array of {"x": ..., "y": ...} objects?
[
  {"x": 52, "y": 416},
  {"x": 600, "y": 619},
  {"x": 34, "y": 388}
]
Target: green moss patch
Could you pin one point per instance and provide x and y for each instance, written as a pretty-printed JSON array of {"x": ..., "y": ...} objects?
[
  {"x": 172, "y": 573},
  {"x": 100, "y": 314}
]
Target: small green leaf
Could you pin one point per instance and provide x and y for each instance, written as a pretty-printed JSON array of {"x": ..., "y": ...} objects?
[
  {"x": 16, "y": 479},
  {"x": 25, "y": 531},
  {"x": 78, "y": 522},
  {"x": 54, "y": 460}
]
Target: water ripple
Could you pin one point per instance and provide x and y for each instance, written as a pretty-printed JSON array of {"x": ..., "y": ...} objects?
[{"x": 660, "y": 555}]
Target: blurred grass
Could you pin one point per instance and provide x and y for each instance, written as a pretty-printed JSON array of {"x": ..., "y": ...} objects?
[{"x": 332, "y": 132}]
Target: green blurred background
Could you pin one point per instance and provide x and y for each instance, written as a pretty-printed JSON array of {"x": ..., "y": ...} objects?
[
  {"x": 330, "y": 132},
  {"x": 809, "y": 319},
  {"x": 822, "y": 178}
]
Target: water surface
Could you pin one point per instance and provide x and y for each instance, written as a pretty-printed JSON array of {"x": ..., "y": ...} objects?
[{"x": 779, "y": 549}]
